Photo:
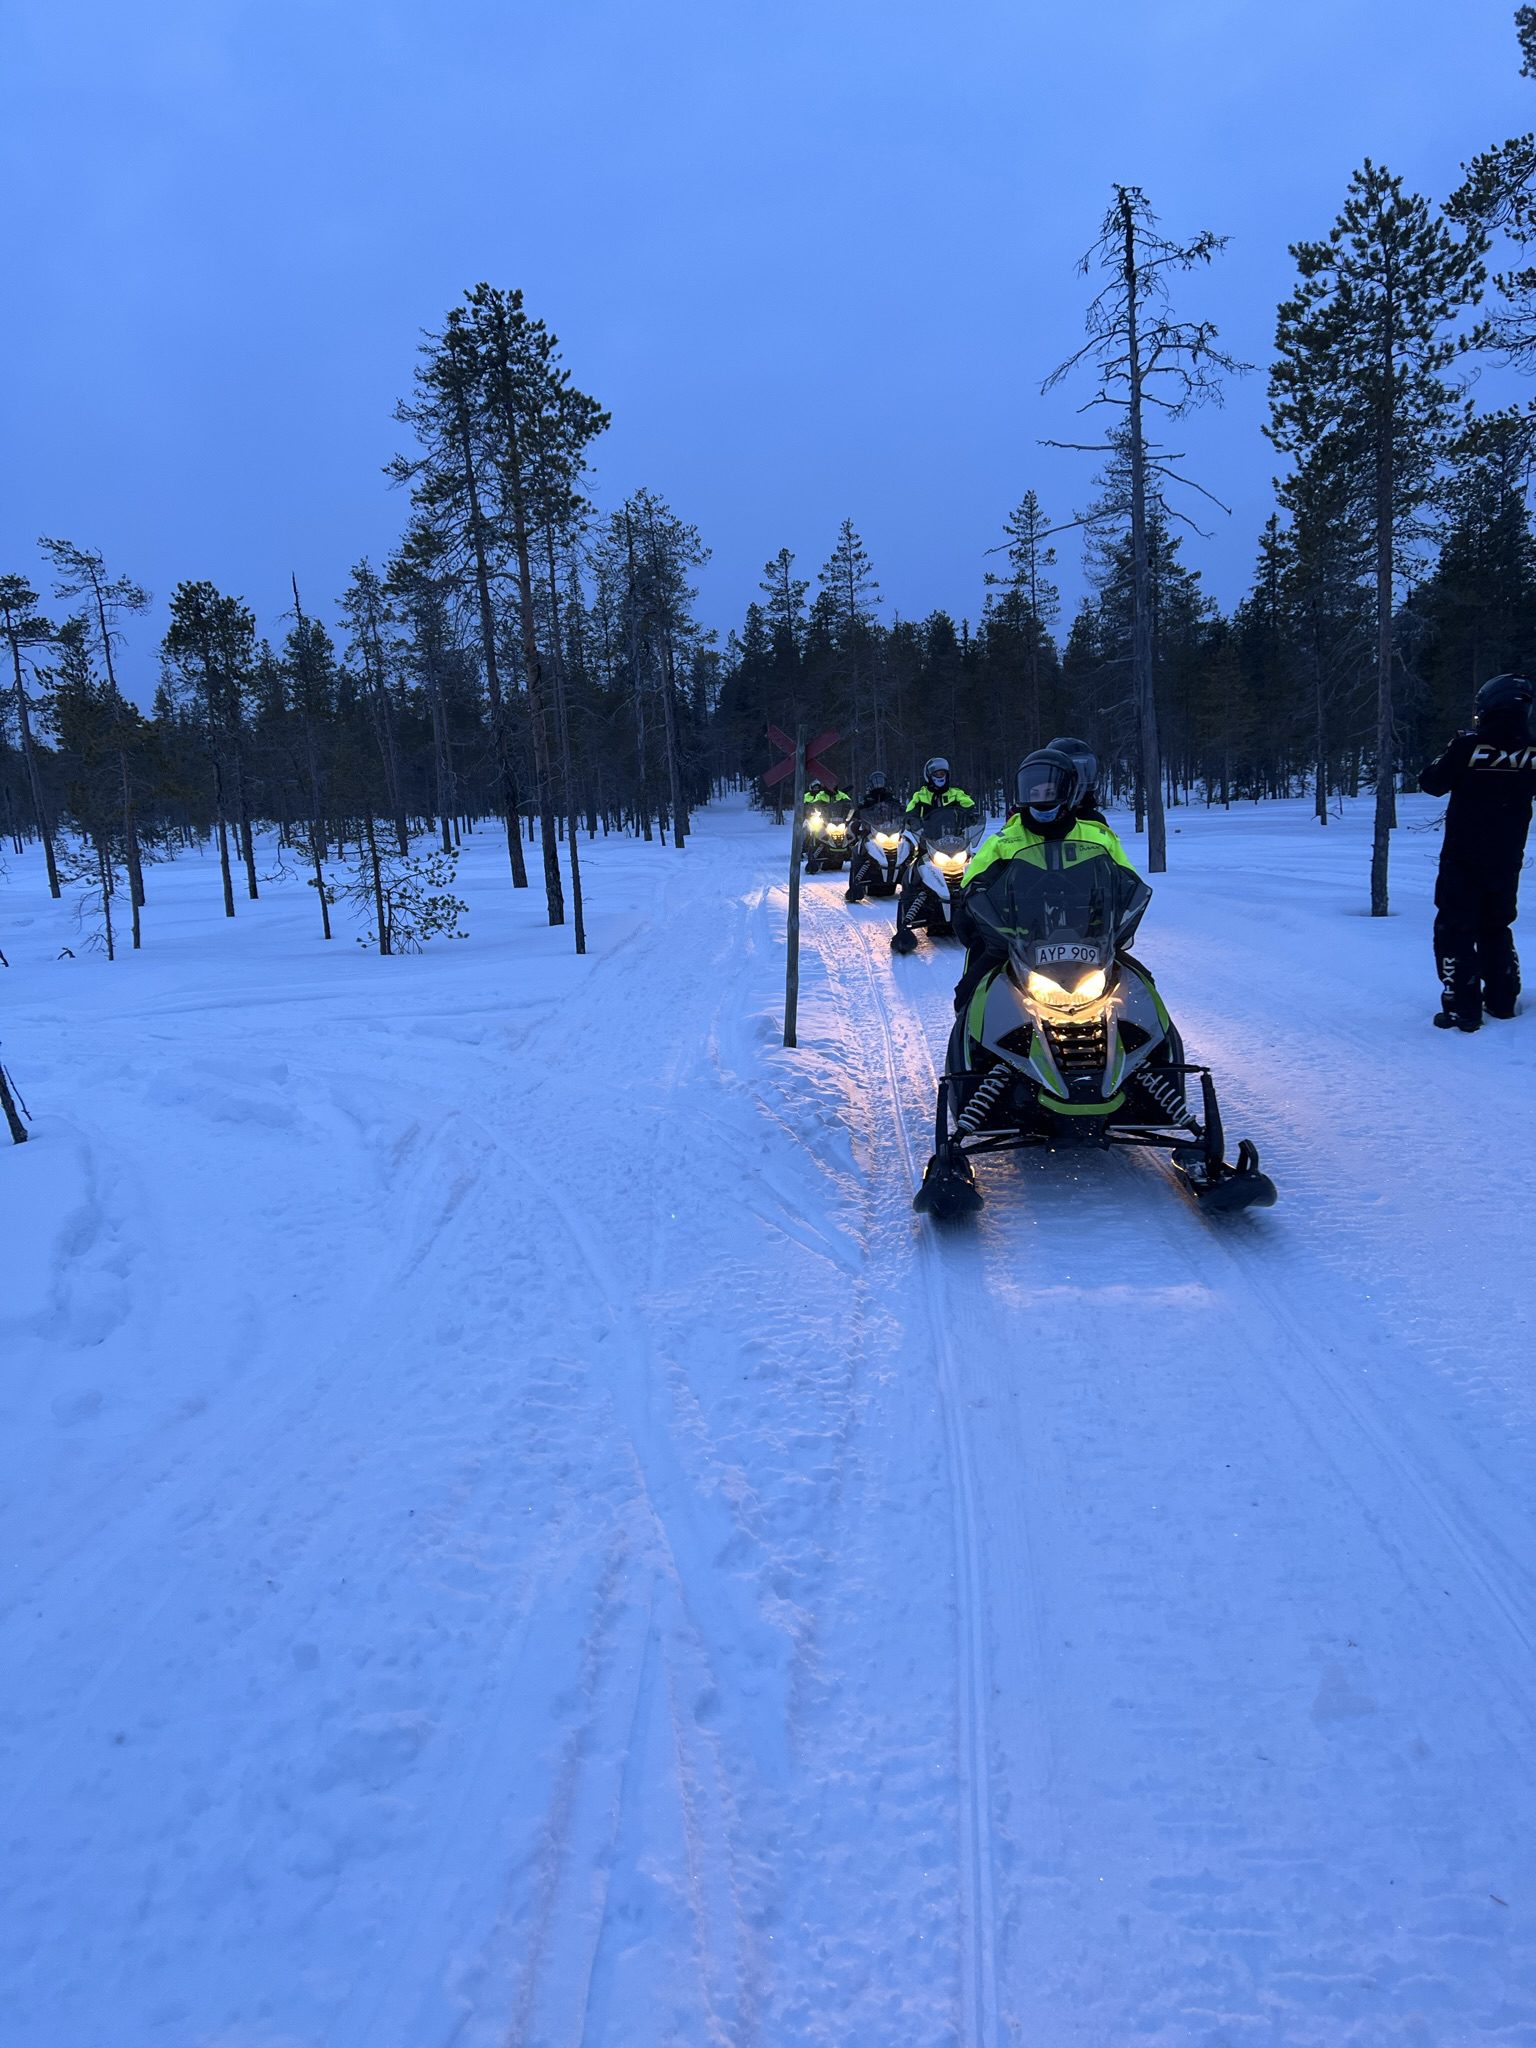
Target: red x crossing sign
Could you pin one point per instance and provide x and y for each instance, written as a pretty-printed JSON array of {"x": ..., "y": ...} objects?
[{"x": 816, "y": 770}]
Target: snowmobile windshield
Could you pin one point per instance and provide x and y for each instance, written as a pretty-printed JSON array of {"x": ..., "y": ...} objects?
[
  {"x": 1060, "y": 919},
  {"x": 880, "y": 814},
  {"x": 950, "y": 827}
]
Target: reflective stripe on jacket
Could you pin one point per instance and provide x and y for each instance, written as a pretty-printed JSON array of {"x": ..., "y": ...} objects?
[{"x": 1018, "y": 841}]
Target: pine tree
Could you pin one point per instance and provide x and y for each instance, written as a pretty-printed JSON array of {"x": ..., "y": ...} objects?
[
  {"x": 1478, "y": 607},
  {"x": 645, "y": 556},
  {"x": 310, "y": 671},
  {"x": 745, "y": 708},
  {"x": 1363, "y": 346},
  {"x": 365, "y": 607},
  {"x": 1094, "y": 678},
  {"x": 92, "y": 725},
  {"x": 851, "y": 593},
  {"x": 81, "y": 572},
  {"x": 1497, "y": 195},
  {"x": 1268, "y": 664},
  {"x": 1325, "y": 559},
  {"x": 538, "y": 428},
  {"x": 785, "y": 613},
  {"x": 25, "y": 627},
  {"x": 671, "y": 550},
  {"x": 209, "y": 652},
  {"x": 1031, "y": 603},
  {"x": 420, "y": 585},
  {"x": 454, "y": 492}
]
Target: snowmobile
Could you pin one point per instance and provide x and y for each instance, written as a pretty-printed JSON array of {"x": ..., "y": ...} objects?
[
  {"x": 933, "y": 860},
  {"x": 878, "y": 837},
  {"x": 827, "y": 837},
  {"x": 1067, "y": 1042}
]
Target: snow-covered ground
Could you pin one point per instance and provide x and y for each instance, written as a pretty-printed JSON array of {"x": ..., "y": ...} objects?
[{"x": 513, "y": 1533}]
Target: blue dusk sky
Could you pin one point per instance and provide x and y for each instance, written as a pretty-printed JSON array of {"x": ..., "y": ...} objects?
[{"x": 815, "y": 258}]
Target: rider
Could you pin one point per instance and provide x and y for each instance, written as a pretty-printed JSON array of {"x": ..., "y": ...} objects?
[
  {"x": 1489, "y": 775},
  {"x": 876, "y": 809},
  {"x": 1049, "y": 791},
  {"x": 938, "y": 790},
  {"x": 877, "y": 791},
  {"x": 1087, "y": 805},
  {"x": 817, "y": 792}
]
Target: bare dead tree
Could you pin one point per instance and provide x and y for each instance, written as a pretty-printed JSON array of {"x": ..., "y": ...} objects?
[{"x": 1143, "y": 356}]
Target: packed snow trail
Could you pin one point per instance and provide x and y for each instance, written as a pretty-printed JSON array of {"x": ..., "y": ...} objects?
[
  {"x": 1278, "y": 1630},
  {"x": 519, "y": 1535}
]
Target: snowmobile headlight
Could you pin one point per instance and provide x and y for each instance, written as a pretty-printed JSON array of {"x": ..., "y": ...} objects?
[
  {"x": 1054, "y": 997},
  {"x": 815, "y": 822},
  {"x": 889, "y": 841},
  {"x": 837, "y": 829},
  {"x": 949, "y": 863}
]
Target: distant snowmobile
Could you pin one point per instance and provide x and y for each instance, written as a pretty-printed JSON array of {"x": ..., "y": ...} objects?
[
  {"x": 828, "y": 841},
  {"x": 1068, "y": 1043},
  {"x": 932, "y": 861},
  {"x": 879, "y": 839}
]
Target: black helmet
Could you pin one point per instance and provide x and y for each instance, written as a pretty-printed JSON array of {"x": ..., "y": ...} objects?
[
  {"x": 815, "y": 787},
  {"x": 1087, "y": 761},
  {"x": 876, "y": 780},
  {"x": 936, "y": 772},
  {"x": 1048, "y": 783},
  {"x": 1506, "y": 693}
]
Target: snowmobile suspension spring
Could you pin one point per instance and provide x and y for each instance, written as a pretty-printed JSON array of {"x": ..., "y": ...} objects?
[
  {"x": 980, "y": 1106},
  {"x": 1162, "y": 1091}
]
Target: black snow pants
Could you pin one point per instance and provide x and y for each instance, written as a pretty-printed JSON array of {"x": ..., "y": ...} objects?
[
  {"x": 978, "y": 965},
  {"x": 1474, "y": 946}
]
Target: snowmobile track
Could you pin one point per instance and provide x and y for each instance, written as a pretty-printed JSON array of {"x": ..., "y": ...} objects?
[
  {"x": 973, "y": 1683},
  {"x": 1409, "y": 1465}
]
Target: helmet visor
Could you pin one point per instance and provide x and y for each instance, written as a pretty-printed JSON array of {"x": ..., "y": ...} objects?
[{"x": 1046, "y": 785}]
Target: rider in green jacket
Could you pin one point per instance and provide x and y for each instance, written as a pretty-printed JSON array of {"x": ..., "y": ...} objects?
[
  {"x": 1044, "y": 829},
  {"x": 938, "y": 790}
]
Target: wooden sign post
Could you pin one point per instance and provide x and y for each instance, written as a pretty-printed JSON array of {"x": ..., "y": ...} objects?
[
  {"x": 792, "y": 930},
  {"x": 798, "y": 758}
]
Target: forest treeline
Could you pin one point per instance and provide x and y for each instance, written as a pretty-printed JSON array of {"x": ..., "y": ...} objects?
[{"x": 528, "y": 664}]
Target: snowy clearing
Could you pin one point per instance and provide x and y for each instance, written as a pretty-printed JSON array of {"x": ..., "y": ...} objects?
[{"x": 514, "y": 1533}]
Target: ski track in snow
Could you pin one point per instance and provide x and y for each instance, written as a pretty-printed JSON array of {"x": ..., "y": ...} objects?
[
  {"x": 976, "y": 1855},
  {"x": 1389, "y": 1490},
  {"x": 516, "y": 1535}
]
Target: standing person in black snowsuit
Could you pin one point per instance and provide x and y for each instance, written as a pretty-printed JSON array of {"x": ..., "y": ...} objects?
[{"x": 1489, "y": 774}]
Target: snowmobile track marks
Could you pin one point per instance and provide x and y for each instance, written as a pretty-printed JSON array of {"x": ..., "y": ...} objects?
[{"x": 979, "y": 1976}]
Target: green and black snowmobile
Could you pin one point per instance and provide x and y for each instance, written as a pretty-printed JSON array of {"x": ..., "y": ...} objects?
[
  {"x": 1067, "y": 1041},
  {"x": 828, "y": 833},
  {"x": 936, "y": 845}
]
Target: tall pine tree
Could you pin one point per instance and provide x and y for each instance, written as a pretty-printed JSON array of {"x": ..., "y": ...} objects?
[{"x": 1363, "y": 348}]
